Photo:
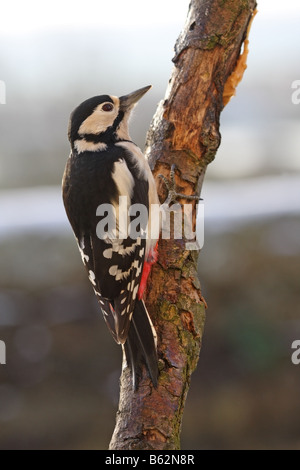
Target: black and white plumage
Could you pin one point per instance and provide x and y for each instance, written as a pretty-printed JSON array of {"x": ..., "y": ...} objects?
[{"x": 105, "y": 164}]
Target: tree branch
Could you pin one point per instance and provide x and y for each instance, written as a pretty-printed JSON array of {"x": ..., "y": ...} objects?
[{"x": 184, "y": 132}]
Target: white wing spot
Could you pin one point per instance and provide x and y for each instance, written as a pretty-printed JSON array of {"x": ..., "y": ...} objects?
[
  {"x": 118, "y": 247},
  {"x": 85, "y": 258},
  {"x": 92, "y": 277},
  {"x": 135, "y": 290},
  {"x": 118, "y": 273},
  {"x": 123, "y": 300},
  {"x": 141, "y": 252},
  {"x": 113, "y": 270},
  {"x": 108, "y": 253},
  {"x": 97, "y": 293},
  {"x": 139, "y": 270}
]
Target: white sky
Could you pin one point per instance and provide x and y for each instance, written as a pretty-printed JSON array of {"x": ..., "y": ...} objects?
[
  {"x": 32, "y": 15},
  {"x": 19, "y": 16}
]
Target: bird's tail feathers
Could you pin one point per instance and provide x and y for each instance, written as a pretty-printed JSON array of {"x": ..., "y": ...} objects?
[{"x": 140, "y": 346}]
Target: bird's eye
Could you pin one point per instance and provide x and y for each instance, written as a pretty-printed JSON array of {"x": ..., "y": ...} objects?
[{"x": 107, "y": 107}]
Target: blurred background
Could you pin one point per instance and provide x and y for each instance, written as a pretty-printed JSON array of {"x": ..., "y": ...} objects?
[{"x": 59, "y": 388}]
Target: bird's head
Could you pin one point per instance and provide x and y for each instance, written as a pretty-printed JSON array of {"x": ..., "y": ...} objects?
[{"x": 101, "y": 120}]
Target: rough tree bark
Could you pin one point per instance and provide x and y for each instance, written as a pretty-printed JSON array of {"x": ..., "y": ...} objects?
[{"x": 184, "y": 132}]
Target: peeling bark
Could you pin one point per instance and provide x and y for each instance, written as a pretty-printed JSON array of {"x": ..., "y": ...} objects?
[{"x": 184, "y": 132}]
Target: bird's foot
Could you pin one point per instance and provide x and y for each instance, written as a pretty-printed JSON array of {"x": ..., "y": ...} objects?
[{"x": 171, "y": 187}]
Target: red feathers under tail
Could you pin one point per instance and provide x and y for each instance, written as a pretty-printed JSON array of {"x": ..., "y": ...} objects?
[{"x": 151, "y": 259}]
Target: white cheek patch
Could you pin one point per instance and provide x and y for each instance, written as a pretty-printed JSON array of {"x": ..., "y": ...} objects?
[
  {"x": 122, "y": 131},
  {"x": 100, "y": 120}
]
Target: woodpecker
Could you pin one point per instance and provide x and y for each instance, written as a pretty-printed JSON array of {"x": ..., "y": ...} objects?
[{"x": 104, "y": 168}]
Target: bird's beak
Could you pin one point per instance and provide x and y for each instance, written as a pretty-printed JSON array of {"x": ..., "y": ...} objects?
[{"x": 127, "y": 101}]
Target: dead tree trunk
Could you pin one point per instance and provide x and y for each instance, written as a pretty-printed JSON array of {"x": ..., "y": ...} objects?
[{"x": 184, "y": 132}]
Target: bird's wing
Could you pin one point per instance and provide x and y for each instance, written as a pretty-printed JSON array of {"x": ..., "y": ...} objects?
[
  {"x": 115, "y": 271},
  {"x": 115, "y": 265}
]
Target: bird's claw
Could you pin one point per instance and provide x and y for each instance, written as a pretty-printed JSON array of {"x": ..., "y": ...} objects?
[{"x": 171, "y": 187}]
